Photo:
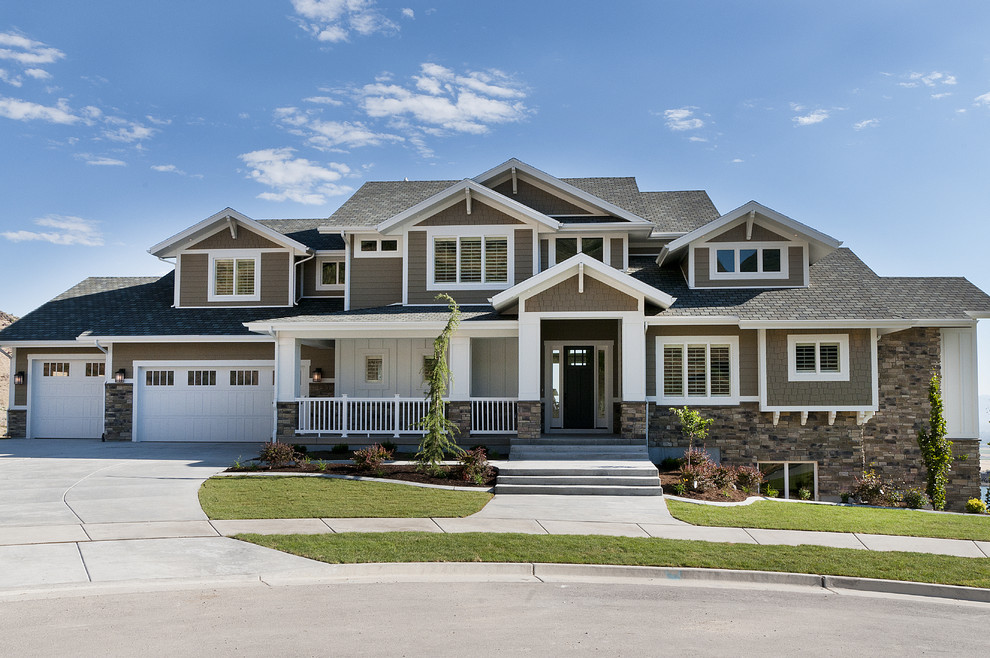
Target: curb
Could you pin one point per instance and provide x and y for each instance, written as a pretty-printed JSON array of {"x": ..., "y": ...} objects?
[{"x": 357, "y": 478}]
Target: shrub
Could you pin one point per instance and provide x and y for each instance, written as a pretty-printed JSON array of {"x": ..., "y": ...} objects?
[
  {"x": 277, "y": 455},
  {"x": 300, "y": 448},
  {"x": 724, "y": 477},
  {"x": 679, "y": 488},
  {"x": 804, "y": 493},
  {"x": 699, "y": 476},
  {"x": 670, "y": 463},
  {"x": 844, "y": 496},
  {"x": 475, "y": 467},
  {"x": 873, "y": 489},
  {"x": 340, "y": 449},
  {"x": 390, "y": 446},
  {"x": 772, "y": 493},
  {"x": 915, "y": 498},
  {"x": 749, "y": 479},
  {"x": 976, "y": 506},
  {"x": 371, "y": 458}
]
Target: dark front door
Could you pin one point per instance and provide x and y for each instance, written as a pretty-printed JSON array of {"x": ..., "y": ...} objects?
[{"x": 579, "y": 388}]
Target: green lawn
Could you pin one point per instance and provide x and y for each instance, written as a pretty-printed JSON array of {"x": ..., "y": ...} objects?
[
  {"x": 796, "y": 516},
  {"x": 578, "y": 549},
  {"x": 313, "y": 497}
]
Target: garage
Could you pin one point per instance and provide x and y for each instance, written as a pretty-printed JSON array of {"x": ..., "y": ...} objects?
[
  {"x": 204, "y": 402},
  {"x": 66, "y": 398}
]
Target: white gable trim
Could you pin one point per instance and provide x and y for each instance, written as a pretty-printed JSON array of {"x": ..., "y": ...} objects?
[
  {"x": 455, "y": 194},
  {"x": 173, "y": 245},
  {"x": 594, "y": 268},
  {"x": 557, "y": 184},
  {"x": 741, "y": 213}
]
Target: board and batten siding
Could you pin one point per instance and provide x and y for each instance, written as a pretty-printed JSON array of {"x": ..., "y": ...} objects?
[
  {"x": 402, "y": 362},
  {"x": 749, "y": 357},
  {"x": 494, "y": 367},
  {"x": 858, "y": 391},
  {"x": 194, "y": 280},
  {"x": 795, "y": 272},
  {"x": 959, "y": 383}
]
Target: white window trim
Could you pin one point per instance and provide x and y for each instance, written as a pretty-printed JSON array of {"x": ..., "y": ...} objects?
[
  {"x": 731, "y": 399},
  {"x": 818, "y": 376},
  {"x": 715, "y": 247},
  {"x": 497, "y": 231},
  {"x": 319, "y": 272},
  {"x": 255, "y": 255},
  {"x": 785, "y": 493},
  {"x": 377, "y": 253},
  {"x": 606, "y": 247},
  {"x": 362, "y": 373}
]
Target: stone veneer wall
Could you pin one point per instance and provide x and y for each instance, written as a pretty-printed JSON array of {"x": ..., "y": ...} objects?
[
  {"x": 321, "y": 389},
  {"x": 288, "y": 421},
  {"x": 887, "y": 442},
  {"x": 529, "y": 419},
  {"x": 118, "y": 412},
  {"x": 16, "y": 423},
  {"x": 459, "y": 413},
  {"x": 632, "y": 420}
]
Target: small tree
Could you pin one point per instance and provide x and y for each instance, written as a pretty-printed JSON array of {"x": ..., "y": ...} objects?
[
  {"x": 693, "y": 427},
  {"x": 936, "y": 450},
  {"x": 439, "y": 438}
]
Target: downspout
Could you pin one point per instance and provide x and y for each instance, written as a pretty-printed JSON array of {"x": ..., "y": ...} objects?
[
  {"x": 298, "y": 263},
  {"x": 271, "y": 332}
]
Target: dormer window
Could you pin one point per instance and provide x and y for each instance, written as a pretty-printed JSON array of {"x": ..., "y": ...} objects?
[
  {"x": 234, "y": 277},
  {"x": 470, "y": 262},
  {"x": 747, "y": 262}
]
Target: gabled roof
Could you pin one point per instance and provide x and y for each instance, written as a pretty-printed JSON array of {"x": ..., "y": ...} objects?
[
  {"x": 177, "y": 242},
  {"x": 561, "y": 185},
  {"x": 307, "y": 232},
  {"x": 825, "y": 243},
  {"x": 592, "y": 267},
  {"x": 456, "y": 193}
]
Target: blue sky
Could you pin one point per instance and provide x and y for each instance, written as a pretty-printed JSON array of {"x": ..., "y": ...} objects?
[{"x": 122, "y": 123}]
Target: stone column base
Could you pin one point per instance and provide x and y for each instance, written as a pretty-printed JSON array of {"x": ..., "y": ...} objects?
[
  {"x": 118, "y": 412},
  {"x": 632, "y": 420},
  {"x": 459, "y": 413},
  {"x": 16, "y": 423},
  {"x": 321, "y": 389},
  {"x": 288, "y": 421},
  {"x": 529, "y": 419}
]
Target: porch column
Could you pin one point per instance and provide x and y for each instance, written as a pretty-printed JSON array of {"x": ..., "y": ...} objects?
[
  {"x": 633, "y": 360},
  {"x": 529, "y": 357},
  {"x": 287, "y": 356},
  {"x": 460, "y": 367}
]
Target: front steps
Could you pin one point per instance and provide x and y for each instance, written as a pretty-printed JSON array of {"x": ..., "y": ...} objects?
[{"x": 601, "y": 466}]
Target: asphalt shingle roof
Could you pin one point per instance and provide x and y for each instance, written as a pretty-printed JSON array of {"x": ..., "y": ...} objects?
[{"x": 305, "y": 231}]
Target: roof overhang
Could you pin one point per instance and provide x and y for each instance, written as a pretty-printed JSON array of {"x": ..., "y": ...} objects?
[
  {"x": 229, "y": 217},
  {"x": 824, "y": 243},
  {"x": 590, "y": 267},
  {"x": 507, "y": 167}
]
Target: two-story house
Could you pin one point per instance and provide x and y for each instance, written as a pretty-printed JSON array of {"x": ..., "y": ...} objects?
[{"x": 589, "y": 307}]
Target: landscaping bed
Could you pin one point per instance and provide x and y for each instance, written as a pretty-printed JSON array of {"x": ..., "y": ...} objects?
[
  {"x": 404, "y": 472},
  {"x": 668, "y": 480}
]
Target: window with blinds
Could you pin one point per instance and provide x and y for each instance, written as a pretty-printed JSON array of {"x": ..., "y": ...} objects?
[
  {"x": 828, "y": 357},
  {"x": 471, "y": 260},
  {"x": 374, "y": 369},
  {"x": 818, "y": 357},
  {"x": 692, "y": 370},
  {"x": 496, "y": 260},
  {"x": 445, "y": 260},
  {"x": 804, "y": 357},
  {"x": 233, "y": 276}
]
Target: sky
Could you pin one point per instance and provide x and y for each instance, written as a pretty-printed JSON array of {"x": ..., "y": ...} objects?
[{"x": 122, "y": 123}]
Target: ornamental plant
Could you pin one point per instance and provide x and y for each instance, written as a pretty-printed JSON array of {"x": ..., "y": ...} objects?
[
  {"x": 749, "y": 479},
  {"x": 936, "y": 450},
  {"x": 976, "y": 506},
  {"x": 874, "y": 489},
  {"x": 693, "y": 427},
  {"x": 438, "y": 441},
  {"x": 475, "y": 467},
  {"x": 371, "y": 458},
  {"x": 278, "y": 454}
]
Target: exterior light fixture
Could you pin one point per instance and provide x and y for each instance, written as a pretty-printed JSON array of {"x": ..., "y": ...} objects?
[
  {"x": 19, "y": 378},
  {"x": 119, "y": 376},
  {"x": 318, "y": 375}
]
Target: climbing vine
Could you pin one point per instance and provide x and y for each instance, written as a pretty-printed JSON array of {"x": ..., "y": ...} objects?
[
  {"x": 439, "y": 441},
  {"x": 936, "y": 450}
]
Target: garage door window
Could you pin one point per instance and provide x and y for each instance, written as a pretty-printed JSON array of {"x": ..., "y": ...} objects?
[
  {"x": 56, "y": 369},
  {"x": 159, "y": 378},
  {"x": 202, "y": 378},
  {"x": 243, "y": 377},
  {"x": 96, "y": 369}
]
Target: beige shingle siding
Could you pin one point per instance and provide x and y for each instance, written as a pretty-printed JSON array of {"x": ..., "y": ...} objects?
[
  {"x": 538, "y": 199},
  {"x": 246, "y": 239},
  {"x": 858, "y": 391},
  {"x": 194, "y": 281},
  {"x": 481, "y": 214},
  {"x": 749, "y": 381},
  {"x": 375, "y": 282},
  {"x": 564, "y": 296}
]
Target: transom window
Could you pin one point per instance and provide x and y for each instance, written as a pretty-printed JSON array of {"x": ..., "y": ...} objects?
[
  {"x": 243, "y": 377},
  {"x": 748, "y": 261},
  {"x": 234, "y": 278},
  {"x": 373, "y": 247},
  {"x": 471, "y": 260},
  {"x": 159, "y": 378},
  {"x": 818, "y": 357},
  {"x": 96, "y": 369},
  {"x": 202, "y": 378},
  {"x": 55, "y": 369},
  {"x": 567, "y": 247},
  {"x": 698, "y": 369},
  {"x": 331, "y": 275}
]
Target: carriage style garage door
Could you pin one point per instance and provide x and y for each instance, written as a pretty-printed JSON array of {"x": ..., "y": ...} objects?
[
  {"x": 204, "y": 402},
  {"x": 67, "y": 398}
]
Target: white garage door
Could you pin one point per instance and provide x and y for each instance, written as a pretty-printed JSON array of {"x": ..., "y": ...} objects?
[
  {"x": 204, "y": 403},
  {"x": 67, "y": 398}
]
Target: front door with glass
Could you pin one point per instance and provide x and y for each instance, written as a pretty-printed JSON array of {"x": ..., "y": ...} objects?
[{"x": 578, "y": 386}]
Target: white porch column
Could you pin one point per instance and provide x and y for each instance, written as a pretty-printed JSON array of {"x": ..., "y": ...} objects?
[
  {"x": 529, "y": 357},
  {"x": 287, "y": 355},
  {"x": 460, "y": 367},
  {"x": 633, "y": 360}
]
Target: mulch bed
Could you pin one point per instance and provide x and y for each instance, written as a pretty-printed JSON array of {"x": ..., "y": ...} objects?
[
  {"x": 669, "y": 479},
  {"x": 406, "y": 472}
]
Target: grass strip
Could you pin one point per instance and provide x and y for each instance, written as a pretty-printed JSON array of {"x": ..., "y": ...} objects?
[
  {"x": 314, "y": 497},
  {"x": 796, "y": 516},
  {"x": 350, "y": 548}
]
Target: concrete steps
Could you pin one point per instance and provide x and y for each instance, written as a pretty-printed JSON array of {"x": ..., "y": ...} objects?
[
  {"x": 578, "y": 490},
  {"x": 584, "y": 452}
]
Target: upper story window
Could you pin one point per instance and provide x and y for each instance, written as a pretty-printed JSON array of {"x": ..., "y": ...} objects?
[
  {"x": 331, "y": 274},
  {"x": 818, "y": 357},
  {"x": 235, "y": 276},
  {"x": 697, "y": 370},
  {"x": 567, "y": 247},
  {"x": 748, "y": 261},
  {"x": 470, "y": 261},
  {"x": 376, "y": 247}
]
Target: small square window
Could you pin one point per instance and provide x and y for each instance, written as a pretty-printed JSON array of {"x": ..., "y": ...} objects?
[
  {"x": 390, "y": 245},
  {"x": 369, "y": 245},
  {"x": 374, "y": 370},
  {"x": 747, "y": 260}
]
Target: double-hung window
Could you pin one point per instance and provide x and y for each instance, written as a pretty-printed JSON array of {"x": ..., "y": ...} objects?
[
  {"x": 470, "y": 261},
  {"x": 698, "y": 369},
  {"x": 234, "y": 277},
  {"x": 818, "y": 357}
]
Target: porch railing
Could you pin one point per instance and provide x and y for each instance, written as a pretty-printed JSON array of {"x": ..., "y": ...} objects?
[{"x": 493, "y": 415}]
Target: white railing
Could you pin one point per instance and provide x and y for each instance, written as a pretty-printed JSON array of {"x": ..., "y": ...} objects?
[
  {"x": 493, "y": 415},
  {"x": 344, "y": 415}
]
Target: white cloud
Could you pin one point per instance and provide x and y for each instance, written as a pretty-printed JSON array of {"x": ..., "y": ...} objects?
[
  {"x": 172, "y": 169},
  {"x": 695, "y": 138},
  {"x": 122, "y": 130},
  {"x": 334, "y": 21},
  {"x": 21, "y": 110},
  {"x": 928, "y": 79},
  {"x": 294, "y": 179},
  {"x": 942, "y": 95},
  {"x": 67, "y": 230},
  {"x": 100, "y": 160},
  {"x": 816, "y": 116},
  {"x": 408, "y": 13},
  {"x": 983, "y": 99},
  {"x": 27, "y": 52},
  {"x": 323, "y": 100},
  {"x": 682, "y": 118},
  {"x": 10, "y": 78},
  {"x": 737, "y": 160},
  {"x": 866, "y": 123},
  {"x": 38, "y": 74},
  {"x": 442, "y": 100},
  {"x": 330, "y": 135}
]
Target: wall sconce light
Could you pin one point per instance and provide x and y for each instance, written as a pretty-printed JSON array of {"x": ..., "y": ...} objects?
[
  {"x": 119, "y": 376},
  {"x": 318, "y": 375},
  {"x": 19, "y": 378}
]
